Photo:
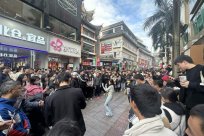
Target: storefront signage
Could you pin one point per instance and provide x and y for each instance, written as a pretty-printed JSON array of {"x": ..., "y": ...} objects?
[
  {"x": 10, "y": 55},
  {"x": 17, "y": 34},
  {"x": 8, "y": 52},
  {"x": 64, "y": 47},
  {"x": 106, "y": 48},
  {"x": 107, "y": 63},
  {"x": 107, "y": 56}
]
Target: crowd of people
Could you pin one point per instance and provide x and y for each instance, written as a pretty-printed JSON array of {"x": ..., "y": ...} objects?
[{"x": 39, "y": 102}]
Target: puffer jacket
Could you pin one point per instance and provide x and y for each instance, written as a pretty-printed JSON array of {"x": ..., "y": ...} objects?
[{"x": 8, "y": 112}]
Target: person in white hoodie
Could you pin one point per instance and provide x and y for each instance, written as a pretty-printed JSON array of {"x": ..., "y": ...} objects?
[{"x": 146, "y": 103}]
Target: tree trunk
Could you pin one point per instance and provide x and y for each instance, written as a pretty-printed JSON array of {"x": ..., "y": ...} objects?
[{"x": 176, "y": 34}]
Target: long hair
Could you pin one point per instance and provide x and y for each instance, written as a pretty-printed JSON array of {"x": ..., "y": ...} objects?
[
  {"x": 20, "y": 79},
  {"x": 111, "y": 82}
]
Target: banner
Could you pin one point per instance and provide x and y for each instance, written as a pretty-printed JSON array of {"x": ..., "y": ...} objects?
[{"x": 106, "y": 48}]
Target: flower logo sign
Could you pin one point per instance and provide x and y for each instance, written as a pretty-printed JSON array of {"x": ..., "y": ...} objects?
[
  {"x": 56, "y": 45},
  {"x": 69, "y": 5}
]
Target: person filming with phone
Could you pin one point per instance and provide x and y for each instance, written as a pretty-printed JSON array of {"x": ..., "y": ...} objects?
[{"x": 13, "y": 121}]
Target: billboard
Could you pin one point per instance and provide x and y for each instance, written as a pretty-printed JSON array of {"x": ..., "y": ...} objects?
[{"x": 106, "y": 48}]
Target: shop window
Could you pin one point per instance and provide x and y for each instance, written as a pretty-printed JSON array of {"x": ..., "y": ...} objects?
[
  {"x": 61, "y": 28},
  {"x": 14, "y": 57},
  {"x": 88, "y": 48},
  {"x": 20, "y": 11}
]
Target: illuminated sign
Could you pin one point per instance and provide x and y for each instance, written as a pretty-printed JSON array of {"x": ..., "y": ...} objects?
[
  {"x": 17, "y": 34},
  {"x": 63, "y": 47}
]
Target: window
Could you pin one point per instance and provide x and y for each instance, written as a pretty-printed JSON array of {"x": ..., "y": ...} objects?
[
  {"x": 199, "y": 20},
  {"x": 89, "y": 41},
  {"x": 88, "y": 33},
  {"x": 88, "y": 48},
  {"x": 108, "y": 32},
  {"x": 21, "y": 11},
  {"x": 61, "y": 28}
]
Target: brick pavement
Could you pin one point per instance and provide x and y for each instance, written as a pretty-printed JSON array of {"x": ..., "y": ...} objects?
[{"x": 97, "y": 124}]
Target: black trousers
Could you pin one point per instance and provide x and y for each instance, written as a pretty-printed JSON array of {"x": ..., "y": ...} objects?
[
  {"x": 97, "y": 90},
  {"x": 89, "y": 92}
]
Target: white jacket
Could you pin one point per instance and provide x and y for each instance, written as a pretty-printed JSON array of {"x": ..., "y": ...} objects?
[
  {"x": 149, "y": 127},
  {"x": 109, "y": 90},
  {"x": 178, "y": 124}
]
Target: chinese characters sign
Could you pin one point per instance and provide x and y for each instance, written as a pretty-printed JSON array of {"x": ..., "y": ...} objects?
[
  {"x": 62, "y": 47},
  {"x": 8, "y": 52},
  {"x": 17, "y": 34},
  {"x": 106, "y": 48}
]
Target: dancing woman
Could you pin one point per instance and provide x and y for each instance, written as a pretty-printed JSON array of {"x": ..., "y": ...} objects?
[{"x": 110, "y": 91}]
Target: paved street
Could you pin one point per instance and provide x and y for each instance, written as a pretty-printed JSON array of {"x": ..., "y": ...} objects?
[{"x": 97, "y": 124}]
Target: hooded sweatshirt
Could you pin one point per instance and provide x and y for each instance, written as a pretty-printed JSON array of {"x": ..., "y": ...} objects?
[
  {"x": 8, "y": 112},
  {"x": 149, "y": 127},
  {"x": 32, "y": 90}
]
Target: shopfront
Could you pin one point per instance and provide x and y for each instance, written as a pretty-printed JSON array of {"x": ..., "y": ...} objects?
[
  {"x": 21, "y": 45},
  {"x": 63, "y": 53}
]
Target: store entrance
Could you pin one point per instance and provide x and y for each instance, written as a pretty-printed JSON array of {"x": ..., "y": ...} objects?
[{"x": 14, "y": 57}]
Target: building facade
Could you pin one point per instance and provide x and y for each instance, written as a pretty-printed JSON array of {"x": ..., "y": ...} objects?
[
  {"x": 40, "y": 34},
  {"x": 192, "y": 39},
  {"x": 119, "y": 46},
  {"x": 89, "y": 40},
  {"x": 89, "y": 43}
]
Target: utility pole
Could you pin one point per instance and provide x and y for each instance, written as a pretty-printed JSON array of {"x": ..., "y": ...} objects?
[{"x": 176, "y": 33}]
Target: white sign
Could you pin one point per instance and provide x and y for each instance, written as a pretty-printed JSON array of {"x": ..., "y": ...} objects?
[
  {"x": 63, "y": 47},
  {"x": 10, "y": 55},
  {"x": 17, "y": 34}
]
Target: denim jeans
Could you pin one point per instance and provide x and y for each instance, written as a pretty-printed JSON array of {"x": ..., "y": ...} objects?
[
  {"x": 107, "y": 108},
  {"x": 122, "y": 86}
]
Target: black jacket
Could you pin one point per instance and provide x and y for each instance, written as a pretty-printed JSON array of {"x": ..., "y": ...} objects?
[
  {"x": 66, "y": 102},
  {"x": 75, "y": 83},
  {"x": 194, "y": 94}
]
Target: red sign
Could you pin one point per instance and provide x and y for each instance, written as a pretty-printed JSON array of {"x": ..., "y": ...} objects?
[
  {"x": 86, "y": 63},
  {"x": 98, "y": 61},
  {"x": 56, "y": 45},
  {"x": 106, "y": 48}
]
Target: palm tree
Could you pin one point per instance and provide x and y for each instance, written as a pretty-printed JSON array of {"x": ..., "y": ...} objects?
[
  {"x": 160, "y": 26},
  {"x": 176, "y": 32}
]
